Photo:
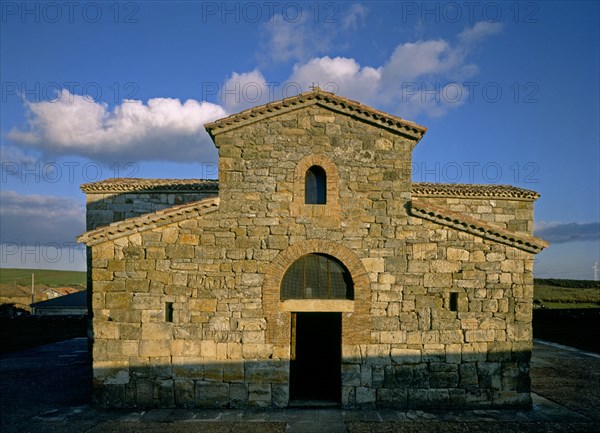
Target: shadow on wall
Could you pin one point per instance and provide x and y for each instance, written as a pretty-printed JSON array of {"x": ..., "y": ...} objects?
[
  {"x": 408, "y": 379},
  {"x": 119, "y": 199}
]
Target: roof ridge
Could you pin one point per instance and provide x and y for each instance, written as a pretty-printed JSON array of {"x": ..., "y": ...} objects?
[
  {"x": 317, "y": 96},
  {"x": 472, "y": 190},
  {"x": 144, "y": 222},
  {"x": 121, "y": 184},
  {"x": 477, "y": 227}
]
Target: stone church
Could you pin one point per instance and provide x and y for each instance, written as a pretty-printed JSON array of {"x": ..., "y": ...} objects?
[{"x": 314, "y": 271}]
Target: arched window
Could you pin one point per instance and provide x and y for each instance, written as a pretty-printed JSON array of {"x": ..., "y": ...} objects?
[
  {"x": 317, "y": 276},
  {"x": 315, "y": 186}
]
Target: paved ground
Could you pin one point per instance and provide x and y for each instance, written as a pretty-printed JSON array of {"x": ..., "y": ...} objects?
[{"x": 47, "y": 389}]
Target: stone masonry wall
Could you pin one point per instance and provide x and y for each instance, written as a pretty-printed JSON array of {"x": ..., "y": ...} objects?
[
  {"x": 105, "y": 208},
  {"x": 512, "y": 214},
  {"x": 228, "y": 345}
]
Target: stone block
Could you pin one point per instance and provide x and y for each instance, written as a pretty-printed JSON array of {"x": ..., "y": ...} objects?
[
  {"x": 350, "y": 374},
  {"x": 189, "y": 367},
  {"x": 266, "y": 371},
  {"x": 405, "y": 356},
  {"x": 457, "y": 254},
  {"x": 280, "y": 395},
  {"x": 443, "y": 379},
  {"x": 438, "y": 398},
  {"x": 213, "y": 395},
  {"x": 424, "y": 251},
  {"x": 111, "y": 372},
  {"x": 489, "y": 375},
  {"x": 396, "y": 398},
  {"x": 106, "y": 329},
  {"x": 166, "y": 395},
  {"x": 157, "y": 331},
  {"x": 365, "y": 396},
  {"x": 155, "y": 348},
  {"x": 445, "y": 266},
  {"x": 238, "y": 395},
  {"x": 144, "y": 391},
  {"x": 468, "y": 376},
  {"x": 233, "y": 371},
  {"x": 259, "y": 395},
  {"x": 213, "y": 371},
  {"x": 348, "y": 396},
  {"x": 257, "y": 351},
  {"x": 418, "y": 398},
  {"x": 202, "y": 305},
  {"x": 184, "y": 393},
  {"x": 437, "y": 280}
]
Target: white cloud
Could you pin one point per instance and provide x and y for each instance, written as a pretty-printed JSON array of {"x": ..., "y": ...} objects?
[
  {"x": 12, "y": 156},
  {"x": 418, "y": 77},
  {"x": 479, "y": 31},
  {"x": 319, "y": 29},
  {"x": 163, "y": 128},
  {"x": 340, "y": 75},
  {"x": 355, "y": 17},
  {"x": 410, "y": 61},
  {"x": 284, "y": 41},
  {"x": 245, "y": 90}
]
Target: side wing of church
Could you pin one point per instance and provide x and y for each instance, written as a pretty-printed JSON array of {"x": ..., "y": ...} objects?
[{"x": 313, "y": 270}]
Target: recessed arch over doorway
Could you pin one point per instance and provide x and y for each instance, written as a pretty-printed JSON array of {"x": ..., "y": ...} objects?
[{"x": 346, "y": 320}]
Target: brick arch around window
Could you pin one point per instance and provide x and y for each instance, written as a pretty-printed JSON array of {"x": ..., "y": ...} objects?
[
  {"x": 355, "y": 324},
  {"x": 331, "y": 209}
]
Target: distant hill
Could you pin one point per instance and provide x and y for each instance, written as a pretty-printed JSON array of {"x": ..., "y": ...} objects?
[
  {"x": 50, "y": 278},
  {"x": 574, "y": 284}
]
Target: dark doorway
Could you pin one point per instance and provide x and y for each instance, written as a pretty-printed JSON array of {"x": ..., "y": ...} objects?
[{"x": 315, "y": 366}]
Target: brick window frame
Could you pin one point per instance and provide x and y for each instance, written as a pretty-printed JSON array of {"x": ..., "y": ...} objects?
[{"x": 331, "y": 208}]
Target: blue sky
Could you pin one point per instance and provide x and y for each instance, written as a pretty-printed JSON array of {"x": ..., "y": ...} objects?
[{"x": 90, "y": 90}]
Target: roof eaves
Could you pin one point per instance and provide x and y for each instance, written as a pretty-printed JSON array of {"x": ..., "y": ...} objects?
[
  {"x": 427, "y": 189},
  {"x": 325, "y": 99},
  {"x": 150, "y": 185},
  {"x": 476, "y": 227}
]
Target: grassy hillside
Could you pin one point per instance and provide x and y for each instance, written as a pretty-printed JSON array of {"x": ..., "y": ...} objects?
[
  {"x": 554, "y": 293},
  {"x": 50, "y": 278}
]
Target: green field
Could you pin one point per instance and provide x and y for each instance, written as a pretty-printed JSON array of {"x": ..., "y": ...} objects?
[
  {"x": 554, "y": 293},
  {"x": 47, "y": 277}
]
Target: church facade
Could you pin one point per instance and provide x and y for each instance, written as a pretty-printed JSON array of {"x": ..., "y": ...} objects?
[{"x": 314, "y": 269}]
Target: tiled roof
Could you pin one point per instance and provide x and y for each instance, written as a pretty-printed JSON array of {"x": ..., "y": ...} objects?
[
  {"x": 419, "y": 189},
  {"x": 151, "y": 185},
  {"x": 149, "y": 221},
  {"x": 426, "y": 189},
  {"x": 77, "y": 299},
  {"x": 476, "y": 227},
  {"x": 325, "y": 99}
]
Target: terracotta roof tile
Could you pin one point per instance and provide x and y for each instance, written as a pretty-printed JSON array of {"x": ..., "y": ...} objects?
[
  {"x": 419, "y": 189},
  {"x": 145, "y": 222},
  {"x": 426, "y": 189},
  {"x": 325, "y": 99},
  {"x": 150, "y": 185},
  {"x": 476, "y": 227}
]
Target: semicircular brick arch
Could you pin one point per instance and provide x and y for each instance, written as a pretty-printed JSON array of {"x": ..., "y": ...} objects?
[
  {"x": 331, "y": 209},
  {"x": 355, "y": 325}
]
